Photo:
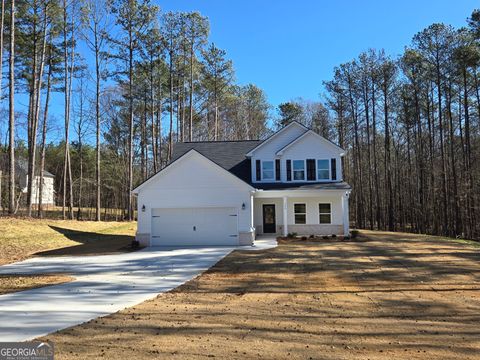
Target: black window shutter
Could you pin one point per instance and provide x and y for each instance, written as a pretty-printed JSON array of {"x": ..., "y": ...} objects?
[
  {"x": 311, "y": 169},
  {"x": 277, "y": 169},
  {"x": 289, "y": 170},
  {"x": 258, "y": 170},
  {"x": 333, "y": 165}
]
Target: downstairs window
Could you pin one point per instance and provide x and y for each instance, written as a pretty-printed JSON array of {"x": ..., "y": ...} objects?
[
  {"x": 300, "y": 211},
  {"x": 325, "y": 213}
]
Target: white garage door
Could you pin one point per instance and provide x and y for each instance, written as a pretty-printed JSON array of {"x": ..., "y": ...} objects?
[{"x": 194, "y": 227}]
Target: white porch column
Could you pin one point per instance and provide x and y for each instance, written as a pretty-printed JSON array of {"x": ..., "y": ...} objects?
[
  {"x": 285, "y": 209},
  {"x": 252, "y": 224},
  {"x": 346, "y": 218}
]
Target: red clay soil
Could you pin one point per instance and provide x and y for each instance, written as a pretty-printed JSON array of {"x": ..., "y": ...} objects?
[{"x": 384, "y": 296}]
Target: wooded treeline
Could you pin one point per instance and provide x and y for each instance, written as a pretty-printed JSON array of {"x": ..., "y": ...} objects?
[
  {"x": 412, "y": 132},
  {"x": 134, "y": 81}
]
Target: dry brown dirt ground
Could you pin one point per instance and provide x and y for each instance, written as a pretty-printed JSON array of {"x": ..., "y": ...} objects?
[
  {"x": 380, "y": 296},
  {"x": 14, "y": 283}
]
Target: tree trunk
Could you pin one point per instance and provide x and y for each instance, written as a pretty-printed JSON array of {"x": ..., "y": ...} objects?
[
  {"x": 2, "y": 23},
  {"x": 431, "y": 141},
  {"x": 143, "y": 139},
  {"x": 419, "y": 147},
  {"x": 442, "y": 152},
  {"x": 170, "y": 135},
  {"x": 36, "y": 113},
  {"x": 80, "y": 153},
  {"x": 375, "y": 161},
  {"x": 468, "y": 158},
  {"x": 369, "y": 162},
  {"x": 130, "y": 126},
  {"x": 31, "y": 137},
  {"x": 152, "y": 118},
  {"x": 11, "y": 111},
  {"x": 66, "y": 110},
  {"x": 387, "y": 163},
  {"x": 455, "y": 208},
  {"x": 190, "y": 95},
  {"x": 98, "y": 184},
  {"x": 44, "y": 140}
]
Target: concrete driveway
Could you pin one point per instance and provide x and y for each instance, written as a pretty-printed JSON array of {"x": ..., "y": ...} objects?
[{"x": 104, "y": 284}]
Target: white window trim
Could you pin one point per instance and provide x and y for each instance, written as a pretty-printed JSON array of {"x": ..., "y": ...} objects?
[
  {"x": 329, "y": 170},
  {"x": 294, "y": 213},
  {"x": 316, "y": 171},
  {"x": 331, "y": 213},
  {"x": 273, "y": 179},
  {"x": 304, "y": 170}
]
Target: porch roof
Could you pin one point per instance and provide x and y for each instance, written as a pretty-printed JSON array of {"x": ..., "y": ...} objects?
[{"x": 337, "y": 185}]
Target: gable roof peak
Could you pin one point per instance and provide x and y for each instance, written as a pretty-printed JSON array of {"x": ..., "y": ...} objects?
[
  {"x": 276, "y": 133},
  {"x": 306, "y": 133},
  {"x": 190, "y": 153}
]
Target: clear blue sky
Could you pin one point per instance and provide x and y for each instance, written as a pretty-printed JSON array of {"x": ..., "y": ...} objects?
[{"x": 289, "y": 47}]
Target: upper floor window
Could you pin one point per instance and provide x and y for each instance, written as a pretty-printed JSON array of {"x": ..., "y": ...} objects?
[
  {"x": 323, "y": 169},
  {"x": 298, "y": 170},
  {"x": 268, "y": 170}
]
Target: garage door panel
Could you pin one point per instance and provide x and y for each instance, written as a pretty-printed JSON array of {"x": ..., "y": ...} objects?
[
  {"x": 166, "y": 223},
  {"x": 194, "y": 227}
]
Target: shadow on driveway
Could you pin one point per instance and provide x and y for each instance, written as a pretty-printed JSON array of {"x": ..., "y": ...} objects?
[{"x": 90, "y": 243}]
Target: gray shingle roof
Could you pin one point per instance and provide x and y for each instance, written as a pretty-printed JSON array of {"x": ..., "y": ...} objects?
[
  {"x": 21, "y": 167},
  {"x": 230, "y": 155}
]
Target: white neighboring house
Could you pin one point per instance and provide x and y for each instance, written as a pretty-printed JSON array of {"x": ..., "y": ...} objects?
[
  {"x": 48, "y": 192},
  {"x": 228, "y": 192}
]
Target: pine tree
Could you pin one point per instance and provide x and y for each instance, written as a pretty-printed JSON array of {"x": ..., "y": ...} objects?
[
  {"x": 133, "y": 19},
  {"x": 217, "y": 75}
]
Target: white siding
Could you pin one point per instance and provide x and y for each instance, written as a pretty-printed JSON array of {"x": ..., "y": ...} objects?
[
  {"x": 312, "y": 209},
  {"x": 311, "y": 202},
  {"x": 278, "y": 141},
  {"x": 48, "y": 193},
  {"x": 309, "y": 146},
  {"x": 312, "y": 225},
  {"x": 312, "y": 147},
  {"x": 268, "y": 150},
  {"x": 194, "y": 182},
  {"x": 258, "y": 212}
]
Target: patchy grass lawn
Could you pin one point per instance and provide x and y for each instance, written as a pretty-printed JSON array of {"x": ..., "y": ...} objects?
[
  {"x": 381, "y": 296},
  {"x": 14, "y": 283},
  {"x": 23, "y": 238}
]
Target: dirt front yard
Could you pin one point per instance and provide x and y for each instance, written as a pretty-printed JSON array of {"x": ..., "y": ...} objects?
[{"x": 384, "y": 296}]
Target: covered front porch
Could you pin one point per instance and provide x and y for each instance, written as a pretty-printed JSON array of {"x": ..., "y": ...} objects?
[{"x": 304, "y": 212}]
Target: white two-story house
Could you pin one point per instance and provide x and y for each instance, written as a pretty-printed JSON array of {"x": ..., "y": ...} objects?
[{"x": 227, "y": 193}]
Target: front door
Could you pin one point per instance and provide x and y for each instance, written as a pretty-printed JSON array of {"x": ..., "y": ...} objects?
[{"x": 269, "y": 225}]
